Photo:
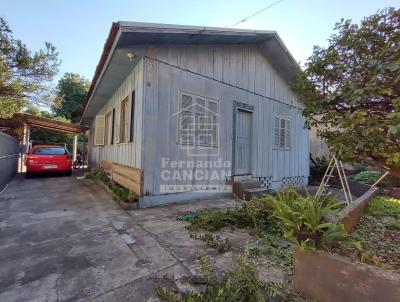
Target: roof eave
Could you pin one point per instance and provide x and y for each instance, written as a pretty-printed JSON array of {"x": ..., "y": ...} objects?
[{"x": 108, "y": 47}]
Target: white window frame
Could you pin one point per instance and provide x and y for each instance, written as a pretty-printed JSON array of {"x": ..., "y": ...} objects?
[
  {"x": 282, "y": 133},
  {"x": 124, "y": 122},
  {"x": 108, "y": 128}
]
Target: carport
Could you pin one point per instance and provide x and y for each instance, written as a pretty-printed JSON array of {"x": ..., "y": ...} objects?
[{"x": 21, "y": 124}]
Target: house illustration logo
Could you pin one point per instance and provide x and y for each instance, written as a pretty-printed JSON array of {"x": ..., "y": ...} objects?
[{"x": 198, "y": 127}]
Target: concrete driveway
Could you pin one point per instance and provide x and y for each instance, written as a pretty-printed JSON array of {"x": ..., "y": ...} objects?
[{"x": 65, "y": 239}]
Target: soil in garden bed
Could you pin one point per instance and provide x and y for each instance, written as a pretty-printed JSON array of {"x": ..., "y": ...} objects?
[{"x": 378, "y": 234}]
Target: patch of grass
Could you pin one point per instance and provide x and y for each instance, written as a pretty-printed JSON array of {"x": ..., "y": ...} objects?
[
  {"x": 367, "y": 177},
  {"x": 239, "y": 285},
  {"x": 384, "y": 206},
  {"x": 394, "y": 225}
]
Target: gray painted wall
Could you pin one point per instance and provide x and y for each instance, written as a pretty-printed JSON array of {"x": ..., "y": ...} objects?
[
  {"x": 9, "y": 152},
  {"x": 127, "y": 153},
  {"x": 227, "y": 74}
]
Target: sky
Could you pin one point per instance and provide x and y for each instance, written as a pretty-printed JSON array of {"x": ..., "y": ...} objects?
[{"x": 79, "y": 28}]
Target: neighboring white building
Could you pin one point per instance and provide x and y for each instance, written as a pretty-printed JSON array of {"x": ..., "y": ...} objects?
[{"x": 192, "y": 107}]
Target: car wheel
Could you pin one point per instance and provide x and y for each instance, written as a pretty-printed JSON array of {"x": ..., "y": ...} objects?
[
  {"x": 28, "y": 175},
  {"x": 68, "y": 173}
]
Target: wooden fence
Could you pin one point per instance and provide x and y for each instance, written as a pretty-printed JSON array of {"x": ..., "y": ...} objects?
[{"x": 128, "y": 177}]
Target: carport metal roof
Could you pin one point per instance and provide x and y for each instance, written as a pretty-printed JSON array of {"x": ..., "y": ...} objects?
[{"x": 12, "y": 125}]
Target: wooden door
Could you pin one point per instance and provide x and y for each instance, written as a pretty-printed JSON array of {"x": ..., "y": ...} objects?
[{"x": 243, "y": 142}]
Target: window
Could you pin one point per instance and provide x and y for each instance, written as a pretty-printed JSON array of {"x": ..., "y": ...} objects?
[
  {"x": 198, "y": 121},
  {"x": 50, "y": 151},
  {"x": 123, "y": 132},
  {"x": 132, "y": 132},
  {"x": 108, "y": 131},
  {"x": 282, "y": 133},
  {"x": 99, "y": 128}
]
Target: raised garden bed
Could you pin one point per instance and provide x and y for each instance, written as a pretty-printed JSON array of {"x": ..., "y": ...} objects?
[
  {"x": 334, "y": 278},
  {"x": 350, "y": 274}
]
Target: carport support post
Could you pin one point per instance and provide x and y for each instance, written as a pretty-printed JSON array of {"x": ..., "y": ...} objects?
[
  {"x": 75, "y": 147},
  {"x": 24, "y": 146}
]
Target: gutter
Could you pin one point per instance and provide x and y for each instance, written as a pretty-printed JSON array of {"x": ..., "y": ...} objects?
[{"x": 99, "y": 69}]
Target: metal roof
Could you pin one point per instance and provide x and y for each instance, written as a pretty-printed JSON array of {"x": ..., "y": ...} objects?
[{"x": 125, "y": 35}]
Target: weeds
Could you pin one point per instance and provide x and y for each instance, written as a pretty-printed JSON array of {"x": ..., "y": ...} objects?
[
  {"x": 121, "y": 193},
  {"x": 240, "y": 284},
  {"x": 213, "y": 241},
  {"x": 252, "y": 215}
]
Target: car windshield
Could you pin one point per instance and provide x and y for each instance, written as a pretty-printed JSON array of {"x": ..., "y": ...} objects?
[{"x": 50, "y": 151}]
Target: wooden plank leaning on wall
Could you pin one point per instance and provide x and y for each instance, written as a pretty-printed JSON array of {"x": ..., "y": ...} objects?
[{"x": 128, "y": 177}]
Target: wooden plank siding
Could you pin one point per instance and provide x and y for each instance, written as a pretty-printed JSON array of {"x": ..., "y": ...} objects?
[
  {"x": 126, "y": 153},
  {"x": 243, "y": 66},
  {"x": 227, "y": 74}
]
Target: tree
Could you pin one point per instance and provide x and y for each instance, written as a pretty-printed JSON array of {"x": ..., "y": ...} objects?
[
  {"x": 24, "y": 75},
  {"x": 351, "y": 91},
  {"x": 71, "y": 93}
]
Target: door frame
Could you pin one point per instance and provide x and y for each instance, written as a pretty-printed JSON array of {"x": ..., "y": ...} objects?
[{"x": 250, "y": 109}]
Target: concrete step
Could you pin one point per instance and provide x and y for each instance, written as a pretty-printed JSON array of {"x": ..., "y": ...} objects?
[
  {"x": 253, "y": 192},
  {"x": 238, "y": 187}
]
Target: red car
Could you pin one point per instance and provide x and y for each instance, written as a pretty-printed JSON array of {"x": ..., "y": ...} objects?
[{"x": 45, "y": 158}]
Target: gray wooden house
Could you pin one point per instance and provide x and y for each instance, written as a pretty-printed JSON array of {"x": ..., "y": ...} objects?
[{"x": 183, "y": 112}]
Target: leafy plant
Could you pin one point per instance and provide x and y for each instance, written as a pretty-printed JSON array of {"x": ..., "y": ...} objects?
[
  {"x": 300, "y": 213},
  {"x": 350, "y": 91},
  {"x": 367, "y": 177},
  {"x": 239, "y": 285},
  {"x": 296, "y": 214}
]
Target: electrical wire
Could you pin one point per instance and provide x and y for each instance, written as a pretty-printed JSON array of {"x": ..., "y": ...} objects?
[{"x": 258, "y": 12}]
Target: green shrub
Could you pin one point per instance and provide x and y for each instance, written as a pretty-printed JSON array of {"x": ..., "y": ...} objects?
[
  {"x": 367, "y": 177},
  {"x": 296, "y": 213}
]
